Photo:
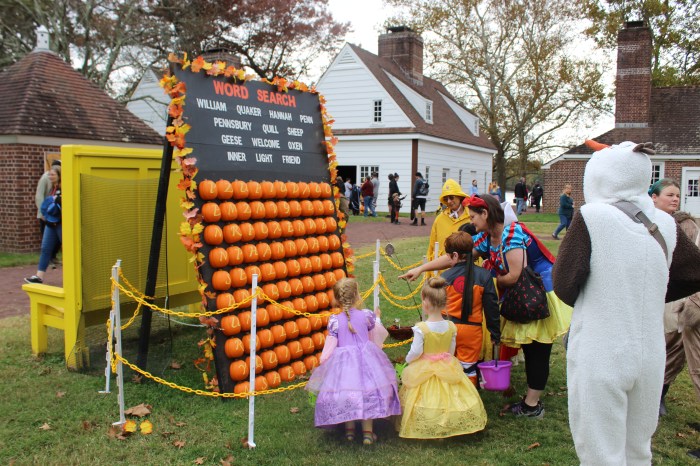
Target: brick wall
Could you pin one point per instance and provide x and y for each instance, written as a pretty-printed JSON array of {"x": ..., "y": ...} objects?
[
  {"x": 404, "y": 48},
  {"x": 21, "y": 165},
  {"x": 633, "y": 80}
]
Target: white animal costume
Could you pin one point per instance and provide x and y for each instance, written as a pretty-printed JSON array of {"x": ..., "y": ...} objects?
[{"x": 616, "y": 349}]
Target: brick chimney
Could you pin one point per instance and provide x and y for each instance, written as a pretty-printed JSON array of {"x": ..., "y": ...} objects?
[
  {"x": 633, "y": 81},
  {"x": 222, "y": 54},
  {"x": 404, "y": 47}
]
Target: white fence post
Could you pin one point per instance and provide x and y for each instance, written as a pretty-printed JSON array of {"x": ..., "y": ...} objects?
[
  {"x": 117, "y": 331},
  {"x": 375, "y": 275},
  {"x": 253, "y": 343}
]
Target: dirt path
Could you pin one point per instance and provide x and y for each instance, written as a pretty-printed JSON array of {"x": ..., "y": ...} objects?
[{"x": 14, "y": 301}]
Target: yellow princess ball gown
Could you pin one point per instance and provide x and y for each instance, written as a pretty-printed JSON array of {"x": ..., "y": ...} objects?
[{"x": 438, "y": 399}]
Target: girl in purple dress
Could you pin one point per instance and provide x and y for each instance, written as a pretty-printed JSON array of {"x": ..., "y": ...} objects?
[{"x": 355, "y": 381}]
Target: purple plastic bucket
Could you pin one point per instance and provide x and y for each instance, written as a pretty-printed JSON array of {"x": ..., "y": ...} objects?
[{"x": 495, "y": 378}]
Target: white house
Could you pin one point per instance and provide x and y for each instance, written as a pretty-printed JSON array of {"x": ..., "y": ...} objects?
[
  {"x": 149, "y": 102},
  {"x": 389, "y": 118}
]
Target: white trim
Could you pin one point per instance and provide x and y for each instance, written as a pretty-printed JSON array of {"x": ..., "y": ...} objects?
[
  {"x": 53, "y": 141},
  {"x": 410, "y": 136},
  {"x": 684, "y": 187},
  {"x": 653, "y": 158}
]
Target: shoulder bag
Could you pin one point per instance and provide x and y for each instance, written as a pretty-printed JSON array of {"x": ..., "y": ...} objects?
[{"x": 527, "y": 299}]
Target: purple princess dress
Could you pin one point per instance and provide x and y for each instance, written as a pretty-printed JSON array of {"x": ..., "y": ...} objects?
[{"x": 357, "y": 381}]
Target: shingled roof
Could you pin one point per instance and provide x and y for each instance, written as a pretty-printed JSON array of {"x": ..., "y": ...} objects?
[
  {"x": 446, "y": 124},
  {"x": 43, "y": 96}
]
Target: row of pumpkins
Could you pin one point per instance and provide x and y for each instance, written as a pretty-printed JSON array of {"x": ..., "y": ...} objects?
[
  {"x": 227, "y": 211},
  {"x": 231, "y": 233},
  {"x": 224, "y": 190}
]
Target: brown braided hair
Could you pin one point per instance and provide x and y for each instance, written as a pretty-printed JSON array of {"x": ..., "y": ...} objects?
[{"x": 346, "y": 295}]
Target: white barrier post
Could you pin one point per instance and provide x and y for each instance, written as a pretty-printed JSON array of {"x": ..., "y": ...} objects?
[
  {"x": 253, "y": 343},
  {"x": 108, "y": 352},
  {"x": 437, "y": 250},
  {"x": 375, "y": 275},
  {"x": 117, "y": 329}
]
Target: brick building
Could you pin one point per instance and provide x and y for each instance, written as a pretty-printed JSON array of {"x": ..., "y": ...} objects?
[
  {"x": 47, "y": 104},
  {"x": 666, "y": 116}
]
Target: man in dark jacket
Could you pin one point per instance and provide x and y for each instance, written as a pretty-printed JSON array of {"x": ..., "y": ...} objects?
[{"x": 521, "y": 195}]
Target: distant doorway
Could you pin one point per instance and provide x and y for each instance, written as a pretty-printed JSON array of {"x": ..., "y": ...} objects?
[{"x": 348, "y": 171}]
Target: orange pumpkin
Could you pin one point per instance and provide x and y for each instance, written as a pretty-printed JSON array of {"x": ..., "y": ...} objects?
[
  {"x": 307, "y": 345},
  {"x": 293, "y": 268},
  {"x": 296, "y": 286},
  {"x": 225, "y": 190},
  {"x": 244, "y": 320},
  {"x": 273, "y": 379},
  {"x": 331, "y": 298},
  {"x": 238, "y": 277},
  {"x": 326, "y": 261},
  {"x": 287, "y": 310},
  {"x": 270, "y": 209},
  {"x": 254, "y": 190},
  {"x": 246, "y": 344},
  {"x": 261, "y": 383},
  {"x": 299, "y": 367},
  {"x": 290, "y": 248},
  {"x": 337, "y": 259},
  {"x": 280, "y": 269},
  {"x": 339, "y": 274},
  {"x": 302, "y": 246},
  {"x": 218, "y": 257},
  {"x": 319, "y": 209},
  {"x": 310, "y": 226},
  {"x": 305, "y": 265},
  {"x": 304, "y": 191},
  {"x": 331, "y": 279},
  {"x": 274, "y": 230},
  {"x": 333, "y": 242},
  {"x": 299, "y": 305},
  {"x": 283, "y": 210},
  {"x": 243, "y": 209},
  {"x": 323, "y": 243},
  {"x": 271, "y": 291},
  {"x": 234, "y": 348},
  {"x": 238, "y": 370},
  {"x": 264, "y": 251},
  {"x": 207, "y": 190},
  {"x": 314, "y": 190},
  {"x": 267, "y": 272},
  {"x": 228, "y": 211},
  {"x": 258, "y": 364},
  {"x": 232, "y": 233},
  {"x": 265, "y": 337},
  {"x": 250, "y": 253},
  {"x": 304, "y": 325},
  {"x": 211, "y": 212},
  {"x": 331, "y": 224},
  {"x": 316, "y": 265},
  {"x": 292, "y": 190},
  {"x": 279, "y": 335},
  {"x": 240, "y": 189},
  {"x": 224, "y": 300},
  {"x": 287, "y": 374},
  {"x": 274, "y": 311},
  {"x": 328, "y": 207},
  {"x": 247, "y": 232},
  {"x": 320, "y": 283},
  {"x": 230, "y": 325},
  {"x": 283, "y": 354},
  {"x": 294, "y": 208},
  {"x": 243, "y": 387},
  {"x": 311, "y": 362},
  {"x": 323, "y": 301},
  {"x": 287, "y": 228},
  {"x": 316, "y": 322},
  {"x": 280, "y": 189},
  {"x": 292, "y": 331},
  {"x": 313, "y": 245},
  {"x": 284, "y": 289},
  {"x": 257, "y": 210},
  {"x": 326, "y": 190},
  {"x": 307, "y": 208},
  {"x": 221, "y": 280},
  {"x": 262, "y": 318},
  {"x": 295, "y": 349},
  {"x": 213, "y": 235},
  {"x": 321, "y": 225},
  {"x": 311, "y": 303},
  {"x": 277, "y": 252},
  {"x": 324, "y": 319},
  {"x": 318, "y": 338},
  {"x": 250, "y": 271},
  {"x": 307, "y": 283},
  {"x": 240, "y": 296},
  {"x": 268, "y": 189}
]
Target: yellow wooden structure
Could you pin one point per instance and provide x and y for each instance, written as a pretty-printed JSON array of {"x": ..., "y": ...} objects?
[{"x": 108, "y": 200}]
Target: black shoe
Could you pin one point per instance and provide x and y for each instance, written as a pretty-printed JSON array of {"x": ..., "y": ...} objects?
[
  {"x": 422, "y": 222},
  {"x": 695, "y": 426},
  {"x": 524, "y": 410},
  {"x": 694, "y": 453},
  {"x": 34, "y": 279},
  {"x": 397, "y": 223},
  {"x": 554, "y": 236},
  {"x": 414, "y": 223}
]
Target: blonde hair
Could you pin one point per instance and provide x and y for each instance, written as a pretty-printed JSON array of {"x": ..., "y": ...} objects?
[
  {"x": 346, "y": 295},
  {"x": 434, "y": 292}
]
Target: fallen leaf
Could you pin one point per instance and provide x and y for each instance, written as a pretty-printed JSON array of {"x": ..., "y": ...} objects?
[
  {"x": 113, "y": 432},
  {"x": 166, "y": 434},
  {"x": 60, "y": 394},
  {"x": 146, "y": 427},
  {"x": 45, "y": 426},
  {"x": 88, "y": 425},
  {"x": 137, "y": 378},
  {"x": 294, "y": 410},
  {"x": 228, "y": 461},
  {"x": 179, "y": 444},
  {"x": 563, "y": 388},
  {"x": 139, "y": 410},
  {"x": 680, "y": 435},
  {"x": 180, "y": 424},
  {"x": 534, "y": 445},
  {"x": 200, "y": 460},
  {"x": 129, "y": 426},
  {"x": 175, "y": 365}
]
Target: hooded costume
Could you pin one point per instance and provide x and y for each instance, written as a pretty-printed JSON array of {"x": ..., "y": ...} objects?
[
  {"x": 445, "y": 223},
  {"x": 615, "y": 275}
]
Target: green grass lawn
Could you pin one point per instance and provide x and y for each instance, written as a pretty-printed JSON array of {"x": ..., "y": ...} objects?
[
  {"x": 53, "y": 416},
  {"x": 12, "y": 259}
]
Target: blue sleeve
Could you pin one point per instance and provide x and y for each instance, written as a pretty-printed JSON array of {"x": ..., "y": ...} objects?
[
  {"x": 480, "y": 243},
  {"x": 514, "y": 238}
]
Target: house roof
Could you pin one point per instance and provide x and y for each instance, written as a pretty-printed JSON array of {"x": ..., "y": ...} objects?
[
  {"x": 43, "y": 96},
  {"x": 674, "y": 127},
  {"x": 446, "y": 124}
]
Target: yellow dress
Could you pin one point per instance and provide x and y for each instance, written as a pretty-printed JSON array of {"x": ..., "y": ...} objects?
[{"x": 438, "y": 400}]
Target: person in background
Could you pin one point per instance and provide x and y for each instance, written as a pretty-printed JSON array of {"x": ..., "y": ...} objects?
[
  {"x": 344, "y": 205},
  {"x": 53, "y": 231},
  {"x": 450, "y": 219},
  {"x": 348, "y": 187},
  {"x": 394, "y": 194},
  {"x": 566, "y": 211},
  {"x": 367, "y": 191},
  {"x": 419, "y": 197},
  {"x": 495, "y": 191},
  {"x": 520, "y": 195},
  {"x": 536, "y": 195},
  {"x": 375, "y": 188},
  {"x": 43, "y": 190},
  {"x": 474, "y": 188}
]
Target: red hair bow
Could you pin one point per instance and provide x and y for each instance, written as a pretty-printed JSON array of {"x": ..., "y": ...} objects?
[{"x": 475, "y": 201}]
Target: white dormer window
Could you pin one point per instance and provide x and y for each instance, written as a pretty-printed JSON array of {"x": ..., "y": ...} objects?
[
  {"x": 377, "y": 111},
  {"x": 429, "y": 111}
]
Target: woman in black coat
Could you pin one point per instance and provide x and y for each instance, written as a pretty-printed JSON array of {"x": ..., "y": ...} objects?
[{"x": 394, "y": 202}]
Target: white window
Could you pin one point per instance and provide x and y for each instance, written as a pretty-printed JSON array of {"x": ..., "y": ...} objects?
[
  {"x": 657, "y": 172},
  {"x": 693, "y": 189},
  {"x": 367, "y": 170},
  {"x": 429, "y": 112},
  {"x": 445, "y": 174},
  {"x": 378, "y": 111}
]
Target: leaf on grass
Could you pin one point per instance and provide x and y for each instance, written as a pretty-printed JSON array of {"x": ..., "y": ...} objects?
[
  {"x": 166, "y": 434},
  {"x": 534, "y": 445},
  {"x": 146, "y": 427},
  {"x": 200, "y": 460},
  {"x": 179, "y": 444},
  {"x": 88, "y": 425},
  {"x": 45, "y": 426},
  {"x": 175, "y": 365},
  {"x": 228, "y": 461},
  {"x": 60, "y": 394},
  {"x": 680, "y": 435},
  {"x": 137, "y": 378},
  {"x": 139, "y": 410},
  {"x": 113, "y": 432},
  {"x": 129, "y": 426},
  {"x": 294, "y": 410},
  {"x": 180, "y": 424}
]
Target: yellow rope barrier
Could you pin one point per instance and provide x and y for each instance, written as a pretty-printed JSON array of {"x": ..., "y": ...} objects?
[
  {"x": 401, "y": 343},
  {"x": 419, "y": 286},
  {"x": 417, "y": 306},
  {"x": 364, "y": 256},
  {"x": 396, "y": 266}
]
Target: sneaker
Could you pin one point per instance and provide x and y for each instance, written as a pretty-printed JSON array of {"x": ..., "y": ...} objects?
[
  {"x": 34, "y": 279},
  {"x": 521, "y": 409},
  {"x": 554, "y": 236}
]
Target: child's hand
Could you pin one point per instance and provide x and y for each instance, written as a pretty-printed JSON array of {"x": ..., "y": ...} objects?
[{"x": 377, "y": 312}]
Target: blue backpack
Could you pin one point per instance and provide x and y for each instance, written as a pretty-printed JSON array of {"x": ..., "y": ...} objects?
[{"x": 51, "y": 209}]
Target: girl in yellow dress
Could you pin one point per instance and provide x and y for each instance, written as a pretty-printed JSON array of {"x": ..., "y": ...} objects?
[{"x": 438, "y": 399}]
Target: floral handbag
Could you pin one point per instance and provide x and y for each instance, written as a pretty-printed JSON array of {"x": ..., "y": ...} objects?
[{"x": 526, "y": 300}]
